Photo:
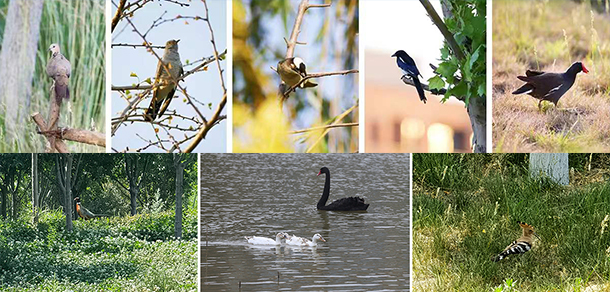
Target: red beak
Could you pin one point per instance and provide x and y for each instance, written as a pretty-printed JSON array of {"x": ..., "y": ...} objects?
[
  {"x": 584, "y": 69},
  {"x": 319, "y": 173}
]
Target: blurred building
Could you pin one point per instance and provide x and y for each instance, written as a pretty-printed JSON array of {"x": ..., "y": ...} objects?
[{"x": 397, "y": 121}]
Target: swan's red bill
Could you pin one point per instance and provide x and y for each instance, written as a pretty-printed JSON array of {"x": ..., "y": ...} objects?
[
  {"x": 319, "y": 173},
  {"x": 584, "y": 69}
]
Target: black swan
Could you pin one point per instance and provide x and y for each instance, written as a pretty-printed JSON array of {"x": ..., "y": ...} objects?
[{"x": 344, "y": 204}]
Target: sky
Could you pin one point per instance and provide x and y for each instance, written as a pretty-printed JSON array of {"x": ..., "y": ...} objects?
[
  {"x": 391, "y": 25},
  {"x": 194, "y": 44}
]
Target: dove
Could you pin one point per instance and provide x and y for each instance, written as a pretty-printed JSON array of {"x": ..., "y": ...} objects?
[
  {"x": 59, "y": 69},
  {"x": 165, "y": 87}
]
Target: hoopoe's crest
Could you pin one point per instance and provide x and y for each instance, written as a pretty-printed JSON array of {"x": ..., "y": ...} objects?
[{"x": 521, "y": 245}]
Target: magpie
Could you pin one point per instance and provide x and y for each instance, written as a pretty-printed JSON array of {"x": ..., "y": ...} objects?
[{"x": 406, "y": 63}]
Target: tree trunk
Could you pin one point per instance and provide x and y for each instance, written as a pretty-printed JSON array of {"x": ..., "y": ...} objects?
[
  {"x": 64, "y": 174},
  {"x": 17, "y": 62},
  {"x": 131, "y": 169},
  {"x": 35, "y": 188},
  {"x": 3, "y": 206},
  {"x": 179, "y": 165},
  {"x": 552, "y": 165}
]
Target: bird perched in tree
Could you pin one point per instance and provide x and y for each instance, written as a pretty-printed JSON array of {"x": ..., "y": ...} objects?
[
  {"x": 164, "y": 86},
  {"x": 84, "y": 213},
  {"x": 292, "y": 71},
  {"x": 521, "y": 245},
  {"x": 408, "y": 67},
  {"x": 549, "y": 86},
  {"x": 59, "y": 69}
]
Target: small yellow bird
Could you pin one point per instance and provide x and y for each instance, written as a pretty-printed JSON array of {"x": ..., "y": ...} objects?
[{"x": 521, "y": 245}]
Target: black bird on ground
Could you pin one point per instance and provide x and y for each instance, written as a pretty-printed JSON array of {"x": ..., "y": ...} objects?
[
  {"x": 406, "y": 63},
  {"x": 549, "y": 86}
]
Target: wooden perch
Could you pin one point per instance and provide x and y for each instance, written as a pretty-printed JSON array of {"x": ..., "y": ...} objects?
[
  {"x": 409, "y": 81},
  {"x": 54, "y": 144},
  {"x": 76, "y": 135}
]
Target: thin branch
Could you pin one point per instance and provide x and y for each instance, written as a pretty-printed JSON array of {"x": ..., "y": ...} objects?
[
  {"x": 117, "y": 15},
  {"x": 443, "y": 28},
  {"x": 296, "y": 28},
  {"x": 337, "y": 119},
  {"x": 215, "y": 118},
  {"x": 318, "y": 75},
  {"x": 324, "y": 127},
  {"x": 136, "y": 46},
  {"x": 409, "y": 81}
]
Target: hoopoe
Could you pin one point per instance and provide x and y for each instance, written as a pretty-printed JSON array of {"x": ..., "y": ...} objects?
[
  {"x": 84, "y": 213},
  {"x": 521, "y": 245}
]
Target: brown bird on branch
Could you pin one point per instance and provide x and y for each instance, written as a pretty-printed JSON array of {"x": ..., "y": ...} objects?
[
  {"x": 59, "y": 69},
  {"x": 164, "y": 81}
]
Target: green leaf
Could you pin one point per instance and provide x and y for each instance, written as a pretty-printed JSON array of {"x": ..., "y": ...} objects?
[
  {"x": 436, "y": 82},
  {"x": 447, "y": 69},
  {"x": 133, "y": 74}
]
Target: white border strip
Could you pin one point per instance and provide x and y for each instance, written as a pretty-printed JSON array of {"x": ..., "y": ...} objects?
[
  {"x": 488, "y": 75},
  {"x": 229, "y": 78},
  {"x": 361, "y": 121},
  {"x": 107, "y": 77}
]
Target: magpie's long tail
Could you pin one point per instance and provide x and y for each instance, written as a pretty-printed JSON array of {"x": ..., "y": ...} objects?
[{"x": 420, "y": 89}]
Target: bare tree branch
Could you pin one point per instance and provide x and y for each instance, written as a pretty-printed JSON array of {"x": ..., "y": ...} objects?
[
  {"x": 298, "y": 21},
  {"x": 215, "y": 118},
  {"x": 117, "y": 15},
  {"x": 324, "y": 127}
]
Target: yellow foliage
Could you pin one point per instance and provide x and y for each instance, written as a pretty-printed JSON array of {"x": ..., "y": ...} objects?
[{"x": 265, "y": 130}]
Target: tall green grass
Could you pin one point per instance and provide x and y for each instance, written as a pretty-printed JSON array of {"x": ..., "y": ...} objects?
[
  {"x": 79, "y": 28},
  {"x": 465, "y": 212}
]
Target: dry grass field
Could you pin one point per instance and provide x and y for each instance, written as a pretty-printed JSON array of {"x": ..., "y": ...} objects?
[{"x": 550, "y": 36}]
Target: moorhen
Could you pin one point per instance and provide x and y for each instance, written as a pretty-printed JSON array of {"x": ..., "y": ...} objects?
[{"x": 549, "y": 86}]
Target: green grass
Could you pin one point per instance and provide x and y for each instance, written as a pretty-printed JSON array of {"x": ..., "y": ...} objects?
[
  {"x": 550, "y": 36},
  {"x": 465, "y": 212},
  {"x": 79, "y": 28},
  {"x": 136, "y": 253}
]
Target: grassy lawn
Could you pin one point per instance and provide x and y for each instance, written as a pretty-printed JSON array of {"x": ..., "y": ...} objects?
[
  {"x": 550, "y": 36},
  {"x": 135, "y": 253},
  {"x": 465, "y": 211}
]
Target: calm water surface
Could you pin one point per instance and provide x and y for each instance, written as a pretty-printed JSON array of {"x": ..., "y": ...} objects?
[{"x": 263, "y": 194}]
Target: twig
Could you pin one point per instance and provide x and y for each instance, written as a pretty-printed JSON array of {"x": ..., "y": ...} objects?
[
  {"x": 336, "y": 121},
  {"x": 409, "y": 81},
  {"x": 324, "y": 127},
  {"x": 317, "y": 75},
  {"x": 296, "y": 29},
  {"x": 136, "y": 46},
  {"x": 215, "y": 118}
]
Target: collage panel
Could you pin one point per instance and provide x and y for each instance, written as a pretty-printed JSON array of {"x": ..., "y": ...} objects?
[
  {"x": 52, "y": 76},
  {"x": 551, "y": 76},
  {"x": 511, "y": 222},
  {"x": 295, "y": 76},
  {"x": 168, "y": 76},
  {"x": 425, "y": 87},
  {"x": 279, "y": 222},
  {"x": 98, "y": 222}
]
